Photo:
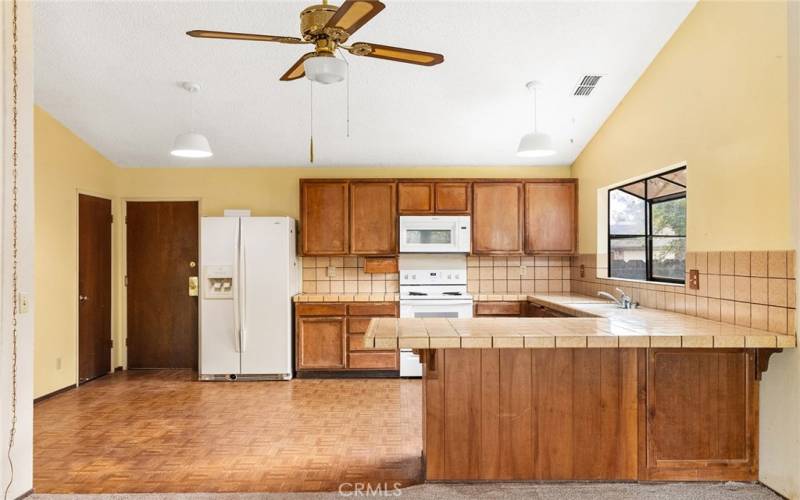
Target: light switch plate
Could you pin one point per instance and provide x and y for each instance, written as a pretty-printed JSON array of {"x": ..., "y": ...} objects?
[
  {"x": 24, "y": 303},
  {"x": 331, "y": 272},
  {"x": 523, "y": 270}
]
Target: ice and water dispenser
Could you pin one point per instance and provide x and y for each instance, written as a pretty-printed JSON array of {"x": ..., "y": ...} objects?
[{"x": 218, "y": 282}]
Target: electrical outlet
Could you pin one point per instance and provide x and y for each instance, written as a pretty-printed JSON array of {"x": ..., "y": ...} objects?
[
  {"x": 694, "y": 279},
  {"x": 331, "y": 272},
  {"x": 583, "y": 270},
  {"x": 523, "y": 270}
]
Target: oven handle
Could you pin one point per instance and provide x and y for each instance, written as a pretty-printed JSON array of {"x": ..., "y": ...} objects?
[{"x": 434, "y": 302}]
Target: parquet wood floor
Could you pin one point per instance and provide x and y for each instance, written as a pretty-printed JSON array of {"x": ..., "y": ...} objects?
[{"x": 162, "y": 431}]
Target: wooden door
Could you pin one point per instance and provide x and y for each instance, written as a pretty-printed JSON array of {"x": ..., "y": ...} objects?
[
  {"x": 321, "y": 343},
  {"x": 373, "y": 218},
  {"x": 551, "y": 217},
  {"x": 162, "y": 254},
  {"x": 324, "y": 217},
  {"x": 453, "y": 197},
  {"x": 702, "y": 415},
  {"x": 94, "y": 287},
  {"x": 497, "y": 214},
  {"x": 415, "y": 198}
]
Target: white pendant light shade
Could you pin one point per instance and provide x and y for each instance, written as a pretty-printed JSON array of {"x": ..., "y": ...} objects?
[
  {"x": 535, "y": 145},
  {"x": 325, "y": 69},
  {"x": 191, "y": 145}
]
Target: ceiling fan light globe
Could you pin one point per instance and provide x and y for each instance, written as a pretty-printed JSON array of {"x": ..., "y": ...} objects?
[
  {"x": 325, "y": 69},
  {"x": 535, "y": 145},
  {"x": 191, "y": 145}
]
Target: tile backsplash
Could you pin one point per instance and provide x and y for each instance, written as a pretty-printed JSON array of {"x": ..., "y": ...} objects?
[
  {"x": 348, "y": 277},
  {"x": 754, "y": 289},
  {"x": 518, "y": 274}
]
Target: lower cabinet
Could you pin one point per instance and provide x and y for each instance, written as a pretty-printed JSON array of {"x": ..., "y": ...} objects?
[
  {"x": 330, "y": 337},
  {"x": 515, "y": 309}
]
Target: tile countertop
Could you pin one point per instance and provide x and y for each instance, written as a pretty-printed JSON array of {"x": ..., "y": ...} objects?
[
  {"x": 599, "y": 324},
  {"x": 351, "y": 297}
]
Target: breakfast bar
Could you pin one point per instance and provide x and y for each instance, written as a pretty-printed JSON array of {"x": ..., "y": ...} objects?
[{"x": 604, "y": 394}]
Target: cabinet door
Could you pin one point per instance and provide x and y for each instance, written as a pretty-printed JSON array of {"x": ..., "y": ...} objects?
[
  {"x": 324, "y": 217},
  {"x": 321, "y": 343},
  {"x": 550, "y": 217},
  {"x": 415, "y": 198},
  {"x": 373, "y": 218},
  {"x": 497, "y": 212},
  {"x": 453, "y": 197},
  {"x": 702, "y": 415}
]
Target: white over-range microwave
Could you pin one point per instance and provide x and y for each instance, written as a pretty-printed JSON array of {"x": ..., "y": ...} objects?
[{"x": 434, "y": 234}]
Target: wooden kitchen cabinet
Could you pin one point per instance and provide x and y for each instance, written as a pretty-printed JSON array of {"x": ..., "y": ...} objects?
[
  {"x": 321, "y": 343},
  {"x": 499, "y": 308},
  {"x": 330, "y": 338},
  {"x": 373, "y": 218},
  {"x": 551, "y": 217},
  {"x": 415, "y": 198},
  {"x": 497, "y": 218},
  {"x": 324, "y": 221},
  {"x": 453, "y": 197}
]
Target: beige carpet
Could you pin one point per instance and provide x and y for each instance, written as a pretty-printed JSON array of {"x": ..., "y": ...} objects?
[{"x": 536, "y": 491}]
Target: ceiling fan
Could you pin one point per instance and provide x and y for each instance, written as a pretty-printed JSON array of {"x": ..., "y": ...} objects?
[{"x": 328, "y": 27}]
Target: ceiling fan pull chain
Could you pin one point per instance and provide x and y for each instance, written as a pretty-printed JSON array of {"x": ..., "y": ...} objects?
[
  {"x": 348, "y": 90},
  {"x": 311, "y": 121}
]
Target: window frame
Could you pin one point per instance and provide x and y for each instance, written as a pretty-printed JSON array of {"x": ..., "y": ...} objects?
[{"x": 648, "y": 222}]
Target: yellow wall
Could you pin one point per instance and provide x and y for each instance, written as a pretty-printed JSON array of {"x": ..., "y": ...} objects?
[
  {"x": 63, "y": 165},
  {"x": 715, "y": 97},
  {"x": 66, "y": 164}
]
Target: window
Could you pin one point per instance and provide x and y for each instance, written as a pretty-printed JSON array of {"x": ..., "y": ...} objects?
[{"x": 647, "y": 228}]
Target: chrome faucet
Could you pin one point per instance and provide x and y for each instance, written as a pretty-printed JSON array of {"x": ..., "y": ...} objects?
[{"x": 624, "y": 301}]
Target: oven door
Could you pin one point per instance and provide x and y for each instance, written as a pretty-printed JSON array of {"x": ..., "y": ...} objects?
[
  {"x": 427, "y": 308},
  {"x": 434, "y": 234}
]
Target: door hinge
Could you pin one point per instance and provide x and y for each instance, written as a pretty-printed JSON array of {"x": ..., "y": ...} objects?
[
  {"x": 126, "y": 341},
  {"x": 126, "y": 280},
  {"x": 112, "y": 218},
  {"x": 111, "y": 343}
]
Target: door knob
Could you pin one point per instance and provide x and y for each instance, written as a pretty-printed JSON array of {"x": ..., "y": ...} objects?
[{"x": 83, "y": 298}]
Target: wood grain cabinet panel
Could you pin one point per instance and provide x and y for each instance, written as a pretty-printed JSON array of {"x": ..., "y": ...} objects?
[
  {"x": 551, "y": 217},
  {"x": 373, "y": 218},
  {"x": 497, "y": 218},
  {"x": 321, "y": 343},
  {"x": 324, "y": 217},
  {"x": 702, "y": 420},
  {"x": 453, "y": 197},
  {"x": 415, "y": 198}
]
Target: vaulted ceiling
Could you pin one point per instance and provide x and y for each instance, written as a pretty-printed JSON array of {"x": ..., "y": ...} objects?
[{"x": 110, "y": 70}]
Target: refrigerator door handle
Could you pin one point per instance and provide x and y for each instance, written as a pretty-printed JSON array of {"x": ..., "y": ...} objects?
[
  {"x": 237, "y": 321},
  {"x": 243, "y": 296}
]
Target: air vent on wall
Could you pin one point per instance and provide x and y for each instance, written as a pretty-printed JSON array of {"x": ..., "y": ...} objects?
[{"x": 586, "y": 85}]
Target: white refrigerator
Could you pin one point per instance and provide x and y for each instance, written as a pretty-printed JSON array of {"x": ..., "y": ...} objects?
[{"x": 249, "y": 275}]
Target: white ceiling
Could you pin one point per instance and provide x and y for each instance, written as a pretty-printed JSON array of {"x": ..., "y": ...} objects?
[{"x": 109, "y": 71}]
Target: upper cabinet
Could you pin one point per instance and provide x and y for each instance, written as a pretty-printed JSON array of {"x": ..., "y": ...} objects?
[
  {"x": 373, "y": 218},
  {"x": 453, "y": 197},
  {"x": 415, "y": 198},
  {"x": 324, "y": 217},
  {"x": 497, "y": 218},
  {"x": 551, "y": 217}
]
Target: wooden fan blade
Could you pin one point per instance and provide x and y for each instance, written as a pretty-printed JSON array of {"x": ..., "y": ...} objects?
[
  {"x": 297, "y": 70},
  {"x": 227, "y": 35},
  {"x": 353, "y": 14},
  {"x": 396, "y": 54}
]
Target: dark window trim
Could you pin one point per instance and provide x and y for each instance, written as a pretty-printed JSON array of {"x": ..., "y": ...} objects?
[{"x": 648, "y": 236}]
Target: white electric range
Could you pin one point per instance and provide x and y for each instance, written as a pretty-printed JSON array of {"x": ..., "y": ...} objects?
[{"x": 431, "y": 286}]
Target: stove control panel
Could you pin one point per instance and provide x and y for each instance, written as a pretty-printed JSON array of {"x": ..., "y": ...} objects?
[{"x": 432, "y": 277}]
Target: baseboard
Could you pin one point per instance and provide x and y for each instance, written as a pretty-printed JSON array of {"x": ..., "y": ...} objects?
[
  {"x": 52, "y": 394},
  {"x": 349, "y": 374}
]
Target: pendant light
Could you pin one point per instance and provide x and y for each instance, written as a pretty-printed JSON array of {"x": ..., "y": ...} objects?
[
  {"x": 191, "y": 144},
  {"x": 535, "y": 144}
]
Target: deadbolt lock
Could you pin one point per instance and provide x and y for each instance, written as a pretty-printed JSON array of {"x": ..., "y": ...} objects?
[{"x": 192, "y": 264}]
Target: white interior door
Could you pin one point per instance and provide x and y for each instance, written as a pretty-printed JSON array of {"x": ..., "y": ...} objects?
[
  {"x": 218, "y": 337},
  {"x": 267, "y": 322}
]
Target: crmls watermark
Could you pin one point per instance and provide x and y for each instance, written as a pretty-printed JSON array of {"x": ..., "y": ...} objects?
[{"x": 370, "y": 490}]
